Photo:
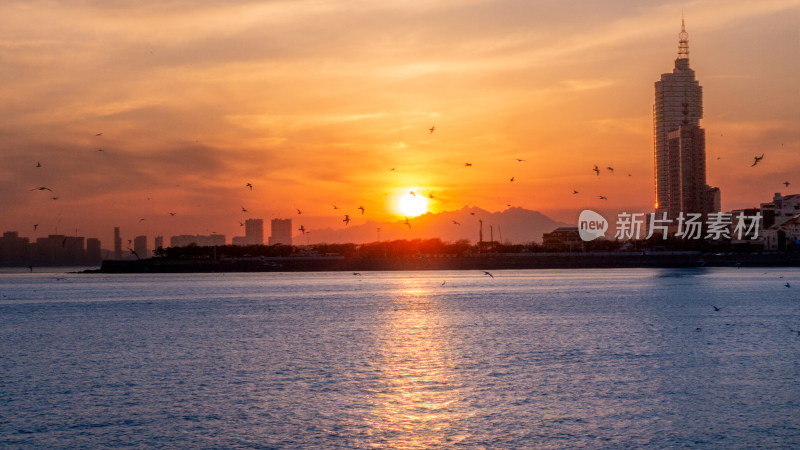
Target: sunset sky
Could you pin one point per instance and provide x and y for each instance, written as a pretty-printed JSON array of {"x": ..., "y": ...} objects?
[{"x": 314, "y": 102}]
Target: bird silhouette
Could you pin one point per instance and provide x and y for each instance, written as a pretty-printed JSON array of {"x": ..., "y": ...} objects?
[
  {"x": 346, "y": 219},
  {"x": 35, "y": 226},
  {"x": 244, "y": 209},
  {"x": 362, "y": 209},
  {"x": 757, "y": 159},
  {"x": 172, "y": 214},
  {"x": 133, "y": 253},
  {"x": 520, "y": 160},
  {"x": 42, "y": 188},
  {"x": 431, "y": 129},
  {"x": 250, "y": 185},
  {"x": 241, "y": 224},
  {"x": 786, "y": 183},
  {"x": 407, "y": 223},
  {"x": 356, "y": 274},
  {"x": 455, "y": 222},
  {"x": 788, "y": 285},
  {"x": 430, "y": 195},
  {"x": 596, "y": 169},
  {"x": 716, "y": 308},
  {"x": 413, "y": 194},
  {"x": 298, "y": 211},
  {"x": 335, "y": 207},
  {"x": 467, "y": 164},
  {"x": 38, "y": 164},
  {"x": 610, "y": 169},
  {"x": 512, "y": 179},
  {"x": 602, "y": 197},
  {"x": 54, "y": 198},
  {"x": 302, "y": 229},
  {"x": 487, "y": 273},
  {"x": 574, "y": 192}
]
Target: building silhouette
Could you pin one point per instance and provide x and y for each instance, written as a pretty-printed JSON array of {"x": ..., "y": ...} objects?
[
  {"x": 680, "y": 141},
  {"x": 253, "y": 233},
  {"x": 117, "y": 244},
  {"x": 281, "y": 232},
  {"x": 140, "y": 246},
  {"x": 185, "y": 240}
]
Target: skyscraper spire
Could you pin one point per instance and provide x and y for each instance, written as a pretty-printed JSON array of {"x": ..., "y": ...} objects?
[{"x": 683, "y": 41}]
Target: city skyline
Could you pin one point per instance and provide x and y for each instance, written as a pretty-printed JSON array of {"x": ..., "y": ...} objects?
[{"x": 158, "y": 118}]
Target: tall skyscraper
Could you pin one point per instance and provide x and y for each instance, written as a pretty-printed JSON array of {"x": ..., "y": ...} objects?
[
  {"x": 680, "y": 142},
  {"x": 281, "y": 232},
  {"x": 254, "y": 231}
]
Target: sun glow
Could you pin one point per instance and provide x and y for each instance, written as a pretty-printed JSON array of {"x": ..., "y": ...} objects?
[{"x": 411, "y": 204}]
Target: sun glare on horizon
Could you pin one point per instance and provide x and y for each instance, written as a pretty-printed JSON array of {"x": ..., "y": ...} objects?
[{"x": 411, "y": 204}]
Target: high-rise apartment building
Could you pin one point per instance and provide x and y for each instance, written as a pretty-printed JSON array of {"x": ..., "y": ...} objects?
[
  {"x": 680, "y": 142},
  {"x": 281, "y": 232}
]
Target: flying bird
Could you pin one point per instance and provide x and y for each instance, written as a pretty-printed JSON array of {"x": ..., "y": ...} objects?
[
  {"x": 244, "y": 209},
  {"x": 362, "y": 209},
  {"x": 335, "y": 207},
  {"x": 788, "y": 285},
  {"x": 610, "y": 169},
  {"x": 346, "y": 219},
  {"x": 512, "y": 179},
  {"x": 99, "y": 134},
  {"x": 786, "y": 183},
  {"x": 413, "y": 194},
  {"x": 99, "y": 149},
  {"x": 520, "y": 160},
  {"x": 487, "y": 273},
  {"x": 596, "y": 169},
  {"x": 716, "y": 308},
  {"x": 407, "y": 223},
  {"x": 241, "y": 224},
  {"x": 133, "y": 253},
  {"x": 467, "y": 164},
  {"x": 54, "y": 198},
  {"x": 391, "y": 170},
  {"x": 430, "y": 195},
  {"x": 574, "y": 192},
  {"x": 35, "y": 226},
  {"x": 302, "y": 229},
  {"x": 250, "y": 185},
  {"x": 431, "y": 129},
  {"x": 757, "y": 159},
  {"x": 141, "y": 220},
  {"x": 455, "y": 222},
  {"x": 38, "y": 164},
  {"x": 298, "y": 211},
  {"x": 42, "y": 188},
  {"x": 172, "y": 214},
  {"x": 602, "y": 197}
]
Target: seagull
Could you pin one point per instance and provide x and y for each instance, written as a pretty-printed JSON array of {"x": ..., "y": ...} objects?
[
  {"x": 520, "y": 160},
  {"x": 430, "y": 195},
  {"x": 99, "y": 149},
  {"x": 241, "y": 224},
  {"x": 346, "y": 219},
  {"x": 249, "y": 185},
  {"x": 244, "y": 209},
  {"x": 456, "y": 222},
  {"x": 512, "y": 179},
  {"x": 141, "y": 220},
  {"x": 487, "y": 273},
  {"x": 335, "y": 207},
  {"x": 413, "y": 194},
  {"x": 574, "y": 192},
  {"x": 596, "y": 170},
  {"x": 133, "y": 253},
  {"x": 391, "y": 170},
  {"x": 42, "y": 188},
  {"x": 602, "y": 197},
  {"x": 35, "y": 226},
  {"x": 172, "y": 214},
  {"x": 431, "y": 129},
  {"x": 757, "y": 159},
  {"x": 54, "y": 198},
  {"x": 443, "y": 282},
  {"x": 610, "y": 169},
  {"x": 467, "y": 164},
  {"x": 788, "y": 285},
  {"x": 302, "y": 229},
  {"x": 356, "y": 274},
  {"x": 407, "y": 223},
  {"x": 298, "y": 211},
  {"x": 38, "y": 164},
  {"x": 99, "y": 134},
  {"x": 362, "y": 209},
  {"x": 716, "y": 308},
  {"x": 786, "y": 183}
]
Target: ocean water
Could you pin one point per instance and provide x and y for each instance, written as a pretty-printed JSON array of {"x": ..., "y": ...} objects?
[{"x": 441, "y": 359}]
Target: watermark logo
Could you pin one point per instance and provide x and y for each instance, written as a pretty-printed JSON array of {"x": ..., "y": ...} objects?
[{"x": 591, "y": 225}]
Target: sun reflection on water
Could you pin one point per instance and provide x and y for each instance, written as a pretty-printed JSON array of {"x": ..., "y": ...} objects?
[{"x": 419, "y": 404}]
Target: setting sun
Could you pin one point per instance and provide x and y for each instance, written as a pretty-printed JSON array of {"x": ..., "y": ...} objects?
[{"x": 412, "y": 204}]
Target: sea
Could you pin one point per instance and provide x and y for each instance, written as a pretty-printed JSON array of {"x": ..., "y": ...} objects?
[{"x": 584, "y": 358}]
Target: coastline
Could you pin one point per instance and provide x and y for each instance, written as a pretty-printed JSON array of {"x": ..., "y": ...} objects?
[{"x": 495, "y": 261}]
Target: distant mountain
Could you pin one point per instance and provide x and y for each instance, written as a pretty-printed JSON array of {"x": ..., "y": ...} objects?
[{"x": 514, "y": 225}]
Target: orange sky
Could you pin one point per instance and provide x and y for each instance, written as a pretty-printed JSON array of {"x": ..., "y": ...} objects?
[{"x": 314, "y": 102}]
